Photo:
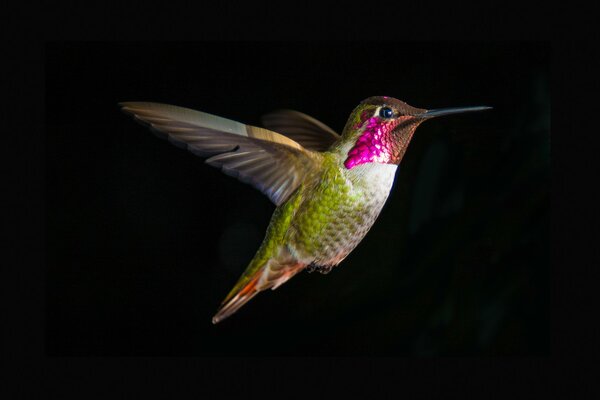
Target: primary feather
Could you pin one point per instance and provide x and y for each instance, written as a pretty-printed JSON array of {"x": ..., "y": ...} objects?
[
  {"x": 304, "y": 129},
  {"x": 269, "y": 161}
]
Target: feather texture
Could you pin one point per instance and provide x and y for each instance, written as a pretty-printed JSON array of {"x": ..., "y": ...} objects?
[
  {"x": 302, "y": 128},
  {"x": 273, "y": 163}
]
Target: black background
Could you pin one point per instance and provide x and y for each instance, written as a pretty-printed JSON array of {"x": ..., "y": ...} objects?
[{"x": 144, "y": 240}]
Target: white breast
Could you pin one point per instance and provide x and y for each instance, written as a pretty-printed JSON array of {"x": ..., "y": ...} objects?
[
  {"x": 373, "y": 176},
  {"x": 371, "y": 186}
]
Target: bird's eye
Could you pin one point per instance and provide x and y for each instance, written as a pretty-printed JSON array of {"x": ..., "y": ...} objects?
[{"x": 386, "y": 112}]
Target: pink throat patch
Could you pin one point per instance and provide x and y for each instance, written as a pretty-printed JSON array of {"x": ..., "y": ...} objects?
[{"x": 374, "y": 145}]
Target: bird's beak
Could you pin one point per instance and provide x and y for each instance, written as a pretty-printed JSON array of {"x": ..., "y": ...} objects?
[{"x": 448, "y": 111}]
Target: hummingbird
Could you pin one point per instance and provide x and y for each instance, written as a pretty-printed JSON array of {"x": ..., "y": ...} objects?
[{"x": 328, "y": 188}]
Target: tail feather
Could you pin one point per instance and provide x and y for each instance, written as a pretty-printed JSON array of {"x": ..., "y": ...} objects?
[
  {"x": 236, "y": 302},
  {"x": 271, "y": 275}
]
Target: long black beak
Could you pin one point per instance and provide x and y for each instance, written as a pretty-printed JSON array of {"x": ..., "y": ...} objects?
[{"x": 447, "y": 111}]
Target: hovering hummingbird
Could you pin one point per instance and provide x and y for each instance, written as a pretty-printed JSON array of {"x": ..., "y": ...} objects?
[{"x": 328, "y": 188}]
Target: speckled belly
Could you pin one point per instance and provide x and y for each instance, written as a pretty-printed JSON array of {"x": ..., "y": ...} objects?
[{"x": 337, "y": 213}]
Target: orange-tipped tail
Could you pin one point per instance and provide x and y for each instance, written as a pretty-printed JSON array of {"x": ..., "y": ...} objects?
[
  {"x": 271, "y": 275},
  {"x": 234, "y": 302}
]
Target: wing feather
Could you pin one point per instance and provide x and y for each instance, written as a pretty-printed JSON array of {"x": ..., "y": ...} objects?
[
  {"x": 304, "y": 129},
  {"x": 273, "y": 163}
]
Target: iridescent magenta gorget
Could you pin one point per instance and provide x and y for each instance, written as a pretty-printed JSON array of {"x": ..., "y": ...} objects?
[{"x": 375, "y": 144}]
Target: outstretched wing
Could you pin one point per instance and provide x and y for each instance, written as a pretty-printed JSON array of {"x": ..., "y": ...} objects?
[
  {"x": 304, "y": 129},
  {"x": 271, "y": 162}
]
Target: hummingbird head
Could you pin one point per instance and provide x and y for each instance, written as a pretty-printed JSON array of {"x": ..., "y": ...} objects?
[{"x": 380, "y": 129}]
